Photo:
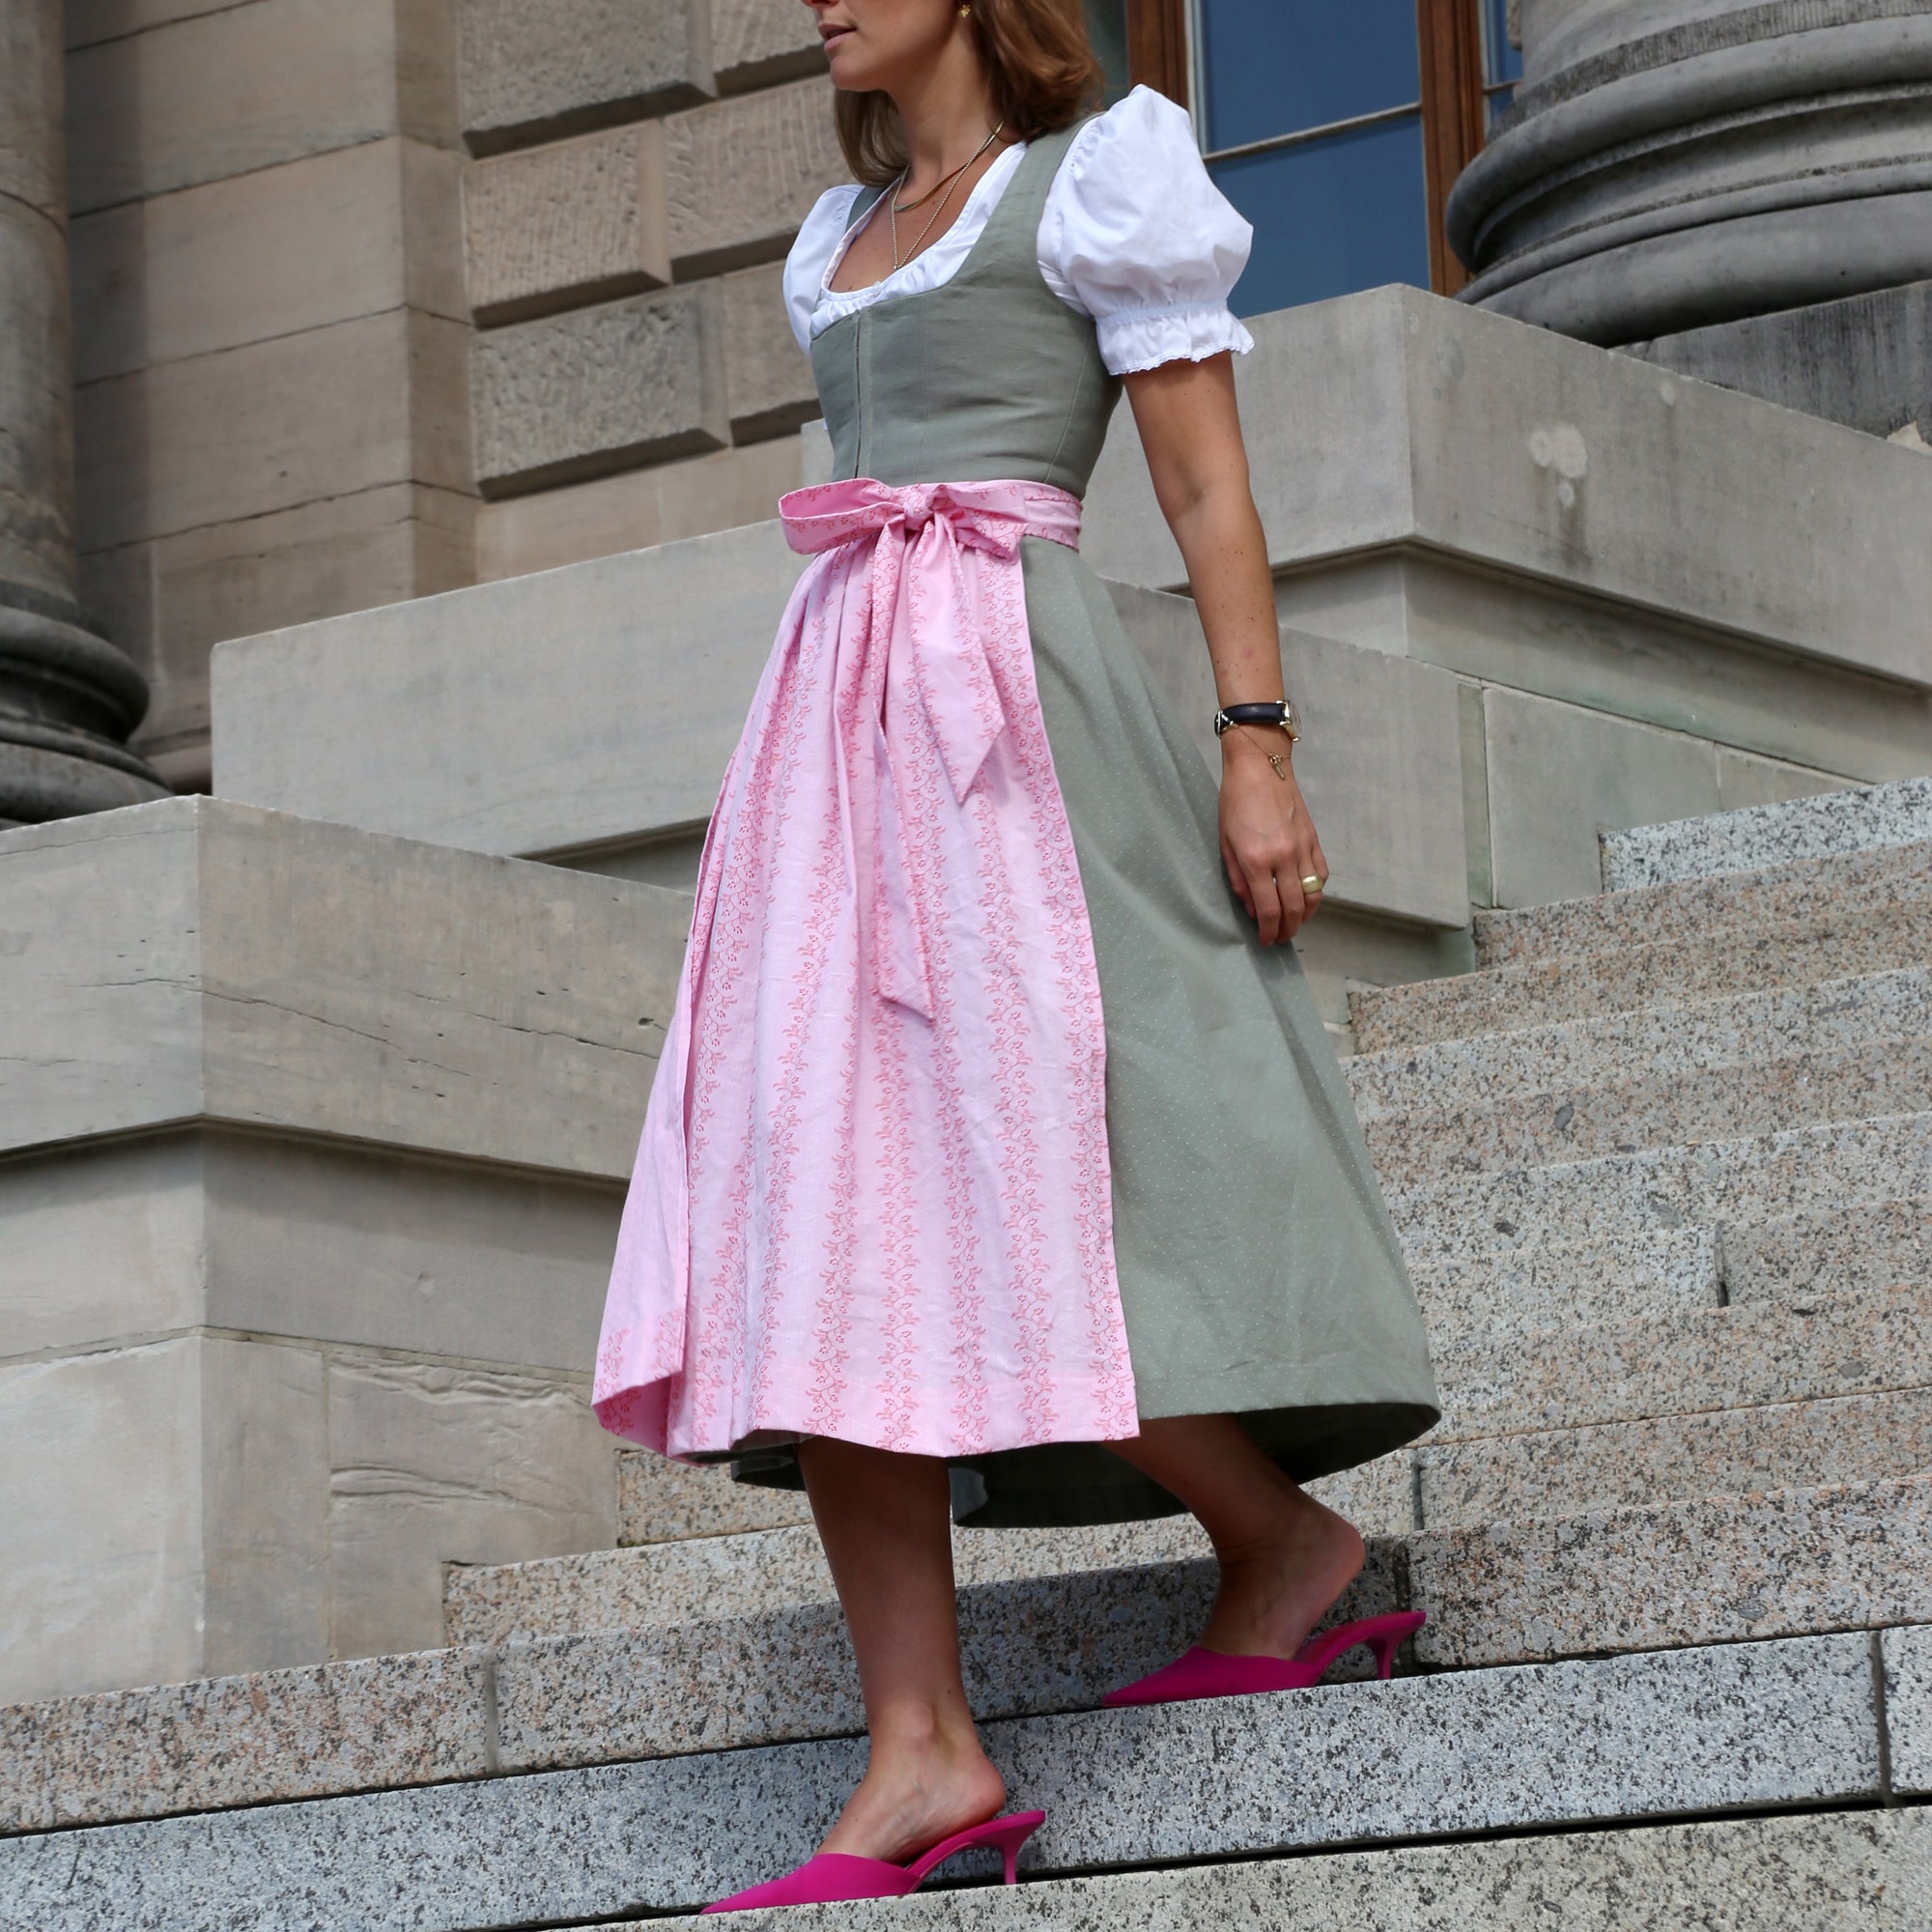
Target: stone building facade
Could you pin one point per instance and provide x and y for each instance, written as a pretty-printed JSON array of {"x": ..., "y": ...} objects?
[{"x": 407, "y": 407}]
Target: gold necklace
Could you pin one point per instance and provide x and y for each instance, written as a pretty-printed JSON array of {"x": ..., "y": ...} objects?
[{"x": 947, "y": 183}]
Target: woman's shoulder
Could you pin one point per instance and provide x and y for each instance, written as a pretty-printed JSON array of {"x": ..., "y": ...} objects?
[
  {"x": 1140, "y": 133},
  {"x": 1136, "y": 235}
]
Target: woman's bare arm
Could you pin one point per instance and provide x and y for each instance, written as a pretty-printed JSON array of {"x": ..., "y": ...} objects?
[{"x": 1192, "y": 436}]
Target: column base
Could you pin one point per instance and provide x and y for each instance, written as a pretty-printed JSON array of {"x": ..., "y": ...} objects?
[{"x": 68, "y": 702}]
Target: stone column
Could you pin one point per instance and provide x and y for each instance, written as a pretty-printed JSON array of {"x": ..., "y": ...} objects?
[
  {"x": 68, "y": 698},
  {"x": 1671, "y": 165}
]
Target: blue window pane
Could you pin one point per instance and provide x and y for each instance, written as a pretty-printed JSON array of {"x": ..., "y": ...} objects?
[
  {"x": 1347, "y": 212},
  {"x": 1501, "y": 60},
  {"x": 1269, "y": 66},
  {"x": 1107, "y": 30}
]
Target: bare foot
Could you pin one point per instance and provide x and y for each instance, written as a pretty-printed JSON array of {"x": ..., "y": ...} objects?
[
  {"x": 913, "y": 1795},
  {"x": 1273, "y": 1591}
]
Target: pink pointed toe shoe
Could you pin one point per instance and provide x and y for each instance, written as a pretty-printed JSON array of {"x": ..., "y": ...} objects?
[
  {"x": 834, "y": 1877},
  {"x": 1214, "y": 1673}
]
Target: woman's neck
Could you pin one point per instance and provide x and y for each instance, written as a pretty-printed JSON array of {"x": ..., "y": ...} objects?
[{"x": 946, "y": 112}]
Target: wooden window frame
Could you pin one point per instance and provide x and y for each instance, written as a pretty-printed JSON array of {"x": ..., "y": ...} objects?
[{"x": 1455, "y": 114}]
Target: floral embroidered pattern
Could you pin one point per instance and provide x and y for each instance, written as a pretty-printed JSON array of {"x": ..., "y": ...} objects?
[{"x": 873, "y": 1198}]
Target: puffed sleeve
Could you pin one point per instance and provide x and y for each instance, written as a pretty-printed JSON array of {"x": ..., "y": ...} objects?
[
  {"x": 812, "y": 254},
  {"x": 1136, "y": 235}
]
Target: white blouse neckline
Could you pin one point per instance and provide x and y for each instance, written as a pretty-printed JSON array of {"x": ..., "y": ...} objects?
[
  {"x": 1133, "y": 233},
  {"x": 980, "y": 201}
]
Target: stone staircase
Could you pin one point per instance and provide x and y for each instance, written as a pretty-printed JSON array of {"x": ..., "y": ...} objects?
[{"x": 1663, "y": 1168}]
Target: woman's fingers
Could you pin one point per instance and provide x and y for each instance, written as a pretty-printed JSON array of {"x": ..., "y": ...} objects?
[{"x": 1268, "y": 899}]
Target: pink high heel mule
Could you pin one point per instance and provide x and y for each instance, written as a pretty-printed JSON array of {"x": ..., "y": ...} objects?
[
  {"x": 831, "y": 1877},
  {"x": 1214, "y": 1673}
]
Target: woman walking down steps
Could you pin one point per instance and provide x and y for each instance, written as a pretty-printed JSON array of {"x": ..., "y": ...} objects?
[{"x": 998, "y": 1164}]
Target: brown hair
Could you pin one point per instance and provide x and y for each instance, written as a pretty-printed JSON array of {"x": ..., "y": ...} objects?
[{"x": 1037, "y": 59}]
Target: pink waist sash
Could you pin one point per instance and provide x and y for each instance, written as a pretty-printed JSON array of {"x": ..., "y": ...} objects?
[{"x": 871, "y": 1198}]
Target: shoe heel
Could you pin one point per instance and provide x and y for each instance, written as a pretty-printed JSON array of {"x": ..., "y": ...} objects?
[
  {"x": 1388, "y": 1635},
  {"x": 1009, "y": 1841},
  {"x": 1005, "y": 1836}
]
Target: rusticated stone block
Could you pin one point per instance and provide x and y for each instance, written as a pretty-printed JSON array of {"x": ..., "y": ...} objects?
[
  {"x": 582, "y": 394},
  {"x": 754, "y": 43},
  {"x": 577, "y": 223},
  {"x": 770, "y": 386},
  {"x": 743, "y": 174},
  {"x": 527, "y": 69}
]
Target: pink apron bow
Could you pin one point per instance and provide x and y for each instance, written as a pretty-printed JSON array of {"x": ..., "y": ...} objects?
[{"x": 930, "y": 611}]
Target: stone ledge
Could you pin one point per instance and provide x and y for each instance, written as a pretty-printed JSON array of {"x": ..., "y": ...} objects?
[
  {"x": 640, "y": 695},
  {"x": 1599, "y": 473},
  {"x": 1740, "y": 1727},
  {"x": 259, "y": 969}
]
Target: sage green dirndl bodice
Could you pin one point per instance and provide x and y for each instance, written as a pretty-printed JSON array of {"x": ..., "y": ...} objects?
[{"x": 1260, "y": 1272}]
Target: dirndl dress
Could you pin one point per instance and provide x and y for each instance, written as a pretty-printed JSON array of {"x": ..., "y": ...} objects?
[{"x": 984, "y": 1126}]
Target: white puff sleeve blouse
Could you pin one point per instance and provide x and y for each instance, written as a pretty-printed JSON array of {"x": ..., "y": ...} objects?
[{"x": 1133, "y": 233}]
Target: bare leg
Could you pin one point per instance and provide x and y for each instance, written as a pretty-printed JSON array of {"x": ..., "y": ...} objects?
[
  {"x": 1284, "y": 1556},
  {"x": 884, "y": 1519}
]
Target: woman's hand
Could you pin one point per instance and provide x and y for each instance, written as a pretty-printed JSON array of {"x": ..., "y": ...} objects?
[{"x": 1268, "y": 839}]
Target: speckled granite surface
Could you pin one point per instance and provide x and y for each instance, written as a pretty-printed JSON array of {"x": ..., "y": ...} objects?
[
  {"x": 1847, "y": 1163},
  {"x": 1780, "y": 1445},
  {"x": 1839, "y": 1872},
  {"x": 1737, "y": 1727},
  {"x": 1768, "y": 835},
  {"x": 1684, "y": 1364},
  {"x": 1907, "y": 1656},
  {"x": 1032, "y": 1647},
  {"x": 761, "y": 1570},
  {"x": 661, "y": 1502},
  {"x": 1840, "y": 1251},
  {"x": 1753, "y": 1062},
  {"x": 1729, "y": 907},
  {"x": 241, "y": 1739},
  {"x": 1627, "y": 1277},
  {"x": 1708, "y": 1572},
  {"x": 1802, "y": 946}
]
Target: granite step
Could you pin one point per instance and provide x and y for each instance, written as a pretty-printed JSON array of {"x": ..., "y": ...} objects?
[
  {"x": 661, "y": 1502},
  {"x": 1740, "y": 1569},
  {"x": 1752, "y": 909},
  {"x": 1545, "y": 1474},
  {"x": 1739, "y": 1034},
  {"x": 1805, "y": 1873},
  {"x": 1801, "y": 948},
  {"x": 1700, "y": 1361},
  {"x": 1752, "y": 1177},
  {"x": 1625, "y": 1277},
  {"x": 1734, "y": 1728},
  {"x": 1663, "y": 1104},
  {"x": 1826, "y": 824},
  {"x": 1792, "y": 1258}
]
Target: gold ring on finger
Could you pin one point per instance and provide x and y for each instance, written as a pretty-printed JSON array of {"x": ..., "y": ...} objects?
[{"x": 1312, "y": 883}]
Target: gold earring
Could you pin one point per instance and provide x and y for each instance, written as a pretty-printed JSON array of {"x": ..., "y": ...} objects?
[{"x": 965, "y": 11}]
